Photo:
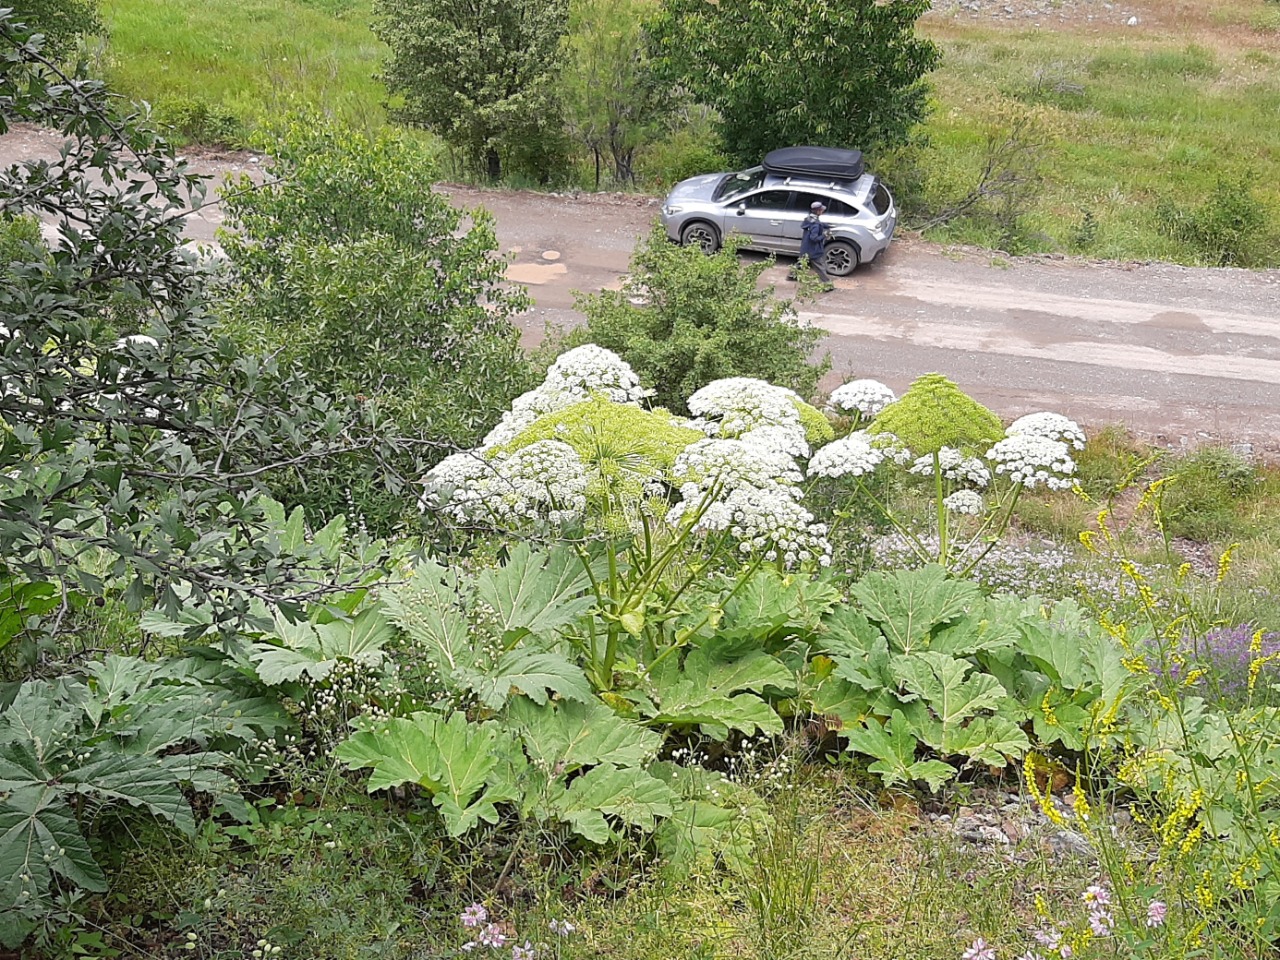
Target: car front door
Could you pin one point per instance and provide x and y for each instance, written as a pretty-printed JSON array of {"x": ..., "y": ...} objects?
[{"x": 759, "y": 216}]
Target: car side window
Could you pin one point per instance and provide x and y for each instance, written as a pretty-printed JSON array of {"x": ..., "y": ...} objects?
[
  {"x": 768, "y": 200},
  {"x": 835, "y": 207}
]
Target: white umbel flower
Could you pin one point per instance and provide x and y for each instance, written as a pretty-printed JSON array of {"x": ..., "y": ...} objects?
[
  {"x": 865, "y": 397},
  {"x": 1031, "y": 461},
  {"x": 588, "y": 370},
  {"x": 955, "y": 466},
  {"x": 730, "y": 464},
  {"x": 789, "y": 439},
  {"x": 457, "y": 485},
  {"x": 964, "y": 501},
  {"x": 735, "y": 405},
  {"x": 854, "y": 456},
  {"x": 546, "y": 479},
  {"x": 1054, "y": 426}
]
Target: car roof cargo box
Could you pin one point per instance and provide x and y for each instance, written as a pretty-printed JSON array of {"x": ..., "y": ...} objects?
[{"x": 829, "y": 163}]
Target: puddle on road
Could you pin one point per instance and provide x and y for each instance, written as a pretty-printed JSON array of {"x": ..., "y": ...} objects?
[{"x": 1179, "y": 320}]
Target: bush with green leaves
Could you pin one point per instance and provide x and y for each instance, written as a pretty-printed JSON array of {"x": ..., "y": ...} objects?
[
  {"x": 78, "y": 752},
  {"x": 782, "y": 72},
  {"x": 684, "y": 319},
  {"x": 1230, "y": 227},
  {"x": 136, "y": 439},
  {"x": 350, "y": 267},
  {"x": 1205, "y": 492},
  {"x": 61, "y": 22}
]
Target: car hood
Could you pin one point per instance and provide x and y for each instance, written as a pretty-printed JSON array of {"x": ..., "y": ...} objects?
[{"x": 696, "y": 188}]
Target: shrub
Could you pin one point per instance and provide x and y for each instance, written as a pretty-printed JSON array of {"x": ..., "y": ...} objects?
[
  {"x": 684, "y": 319},
  {"x": 1226, "y": 229},
  {"x": 1208, "y": 486}
]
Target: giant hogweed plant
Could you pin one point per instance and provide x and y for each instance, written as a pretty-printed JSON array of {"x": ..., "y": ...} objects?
[{"x": 123, "y": 734}]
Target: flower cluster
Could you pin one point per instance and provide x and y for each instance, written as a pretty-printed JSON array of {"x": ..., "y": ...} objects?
[
  {"x": 1101, "y": 920},
  {"x": 546, "y": 479},
  {"x": 1031, "y": 461},
  {"x": 863, "y": 397},
  {"x": 964, "y": 501},
  {"x": 1051, "y": 426},
  {"x": 736, "y": 405},
  {"x": 751, "y": 492},
  {"x": 955, "y": 466},
  {"x": 855, "y": 456},
  {"x": 577, "y": 375},
  {"x": 492, "y": 936}
]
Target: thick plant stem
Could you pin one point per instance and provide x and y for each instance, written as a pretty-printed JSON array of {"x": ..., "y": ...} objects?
[{"x": 941, "y": 507}]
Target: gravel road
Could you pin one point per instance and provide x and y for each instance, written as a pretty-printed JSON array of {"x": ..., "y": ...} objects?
[{"x": 1182, "y": 355}]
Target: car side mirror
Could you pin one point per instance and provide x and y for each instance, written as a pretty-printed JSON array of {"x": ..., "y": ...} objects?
[{"x": 742, "y": 208}]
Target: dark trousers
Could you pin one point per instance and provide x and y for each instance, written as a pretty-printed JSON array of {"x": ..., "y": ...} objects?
[{"x": 817, "y": 263}]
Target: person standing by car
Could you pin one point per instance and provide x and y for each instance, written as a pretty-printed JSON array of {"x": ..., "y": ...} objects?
[{"x": 813, "y": 243}]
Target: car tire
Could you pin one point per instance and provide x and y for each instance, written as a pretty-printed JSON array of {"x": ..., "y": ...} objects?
[
  {"x": 842, "y": 258},
  {"x": 699, "y": 233}
]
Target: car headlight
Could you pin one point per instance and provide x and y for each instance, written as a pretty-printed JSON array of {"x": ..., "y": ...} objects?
[{"x": 670, "y": 211}]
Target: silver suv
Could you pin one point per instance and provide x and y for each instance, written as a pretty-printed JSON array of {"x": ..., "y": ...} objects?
[{"x": 767, "y": 205}]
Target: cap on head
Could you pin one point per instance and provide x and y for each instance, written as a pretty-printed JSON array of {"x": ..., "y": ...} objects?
[{"x": 817, "y": 206}]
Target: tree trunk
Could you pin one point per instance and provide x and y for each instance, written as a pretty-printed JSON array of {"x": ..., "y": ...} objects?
[
  {"x": 494, "y": 164},
  {"x": 596, "y": 151}
]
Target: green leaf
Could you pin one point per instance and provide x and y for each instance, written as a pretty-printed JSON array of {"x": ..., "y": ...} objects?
[
  {"x": 706, "y": 693},
  {"x": 940, "y": 681},
  {"x": 317, "y": 650},
  {"x": 428, "y": 609},
  {"x": 714, "y": 820},
  {"x": 533, "y": 674},
  {"x": 38, "y": 838},
  {"x": 893, "y": 747},
  {"x": 908, "y": 605},
  {"x": 451, "y": 759},
  {"x": 989, "y": 740},
  {"x": 562, "y": 738},
  {"x": 627, "y": 794},
  {"x": 537, "y": 592}
]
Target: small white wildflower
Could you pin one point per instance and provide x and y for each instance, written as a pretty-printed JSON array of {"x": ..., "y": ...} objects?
[
  {"x": 954, "y": 466},
  {"x": 964, "y": 501}
]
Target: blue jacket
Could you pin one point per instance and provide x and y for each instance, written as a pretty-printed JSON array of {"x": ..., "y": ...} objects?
[{"x": 813, "y": 238}]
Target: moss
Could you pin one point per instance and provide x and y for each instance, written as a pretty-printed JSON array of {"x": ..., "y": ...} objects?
[
  {"x": 935, "y": 413},
  {"x": 817, "y": 428}
]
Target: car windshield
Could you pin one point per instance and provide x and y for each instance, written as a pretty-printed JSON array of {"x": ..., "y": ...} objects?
[{"x": 736, "y": 184}]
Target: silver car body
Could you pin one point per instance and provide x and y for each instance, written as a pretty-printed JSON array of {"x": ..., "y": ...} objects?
[{"x": 768, "y": 209}]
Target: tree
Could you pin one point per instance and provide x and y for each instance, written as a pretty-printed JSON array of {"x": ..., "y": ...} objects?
[
  {"x": 683, "y": 319},
  {"x": 787, "y": 72},
  {"x": 137, "y": 441},
  {"x": 60, "y": 22},
  {"x": 347, "y": 265},
  {"x": 480, "y": 74},
  {"x": 614, "y": 101}
]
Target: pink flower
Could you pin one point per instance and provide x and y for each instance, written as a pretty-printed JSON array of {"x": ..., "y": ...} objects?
[
  {"x": 474, "y": 915},
  {"x": 1156, "y": 912},
  {"x": 523, "y": 953},
  {"x": 979, "y": 951},
  {"x": 1096, "y": 895},
  {"x": 492, "y": 936},
  {"x": 561, "y": 928},
  {"x": 1101, "y": 922}
]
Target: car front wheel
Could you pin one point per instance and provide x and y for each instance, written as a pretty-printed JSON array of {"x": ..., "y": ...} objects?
[
  {"x": 842, "y": 258},
  {"x": 699, "y": 234}
]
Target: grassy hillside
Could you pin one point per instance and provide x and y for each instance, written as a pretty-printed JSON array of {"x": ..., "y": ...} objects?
[
  {"x": 1138, "y": 124},
  {"x": 213, "y": 67}
]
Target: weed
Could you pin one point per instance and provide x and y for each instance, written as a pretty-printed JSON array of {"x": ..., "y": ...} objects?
[{"x": 1202, "y": 503}]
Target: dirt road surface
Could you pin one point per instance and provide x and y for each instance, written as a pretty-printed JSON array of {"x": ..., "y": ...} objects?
[{"x": 1182, "y": 355}]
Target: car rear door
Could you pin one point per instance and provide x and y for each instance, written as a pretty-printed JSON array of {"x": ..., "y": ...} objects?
[
  {"x": 839, "y": 213},
  {"x": 760, "y": 217}
]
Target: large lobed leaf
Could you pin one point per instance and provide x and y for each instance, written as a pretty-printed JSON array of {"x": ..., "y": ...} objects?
[
  {"x": 908, "y": 605},
  {"x": 536, "y": 592}
]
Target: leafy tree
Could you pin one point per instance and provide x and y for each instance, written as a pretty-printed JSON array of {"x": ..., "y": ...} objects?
[
  {"x": 613, "y": 99},
  {"x": 700, "y": 318},
  {"x": 785, "y": 72},
  {"x": 350, "y": 267},
  {"x": 136, "y": 440},
  {"x": 481, "y": 75},
  {"x": 60, "y": 22}
]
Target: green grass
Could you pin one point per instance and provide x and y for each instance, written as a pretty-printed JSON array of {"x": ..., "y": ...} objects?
[
  {"x": 1133, "y": 122},
  {"x": 215, "y": 67}
]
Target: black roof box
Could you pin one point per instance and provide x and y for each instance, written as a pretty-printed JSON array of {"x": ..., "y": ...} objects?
[{"x": 825, "y": 162}]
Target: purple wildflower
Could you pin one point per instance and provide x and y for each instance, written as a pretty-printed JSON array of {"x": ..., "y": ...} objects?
[
  {"x": 474, "y": 915},
  {"x": 561, "y": 928},
  {"x": 979, "y": 951},
  {"x": 523, "y": 953},
  {"x": 1156, "y": 912},
  {"x": 1101, "y": 922},
  {"x": 1097, "y": 895}
]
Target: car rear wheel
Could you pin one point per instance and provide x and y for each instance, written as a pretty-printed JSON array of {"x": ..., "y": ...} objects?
[
  {"x": 700, "y": 234},
  {"x": 842, "y": 258}
]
